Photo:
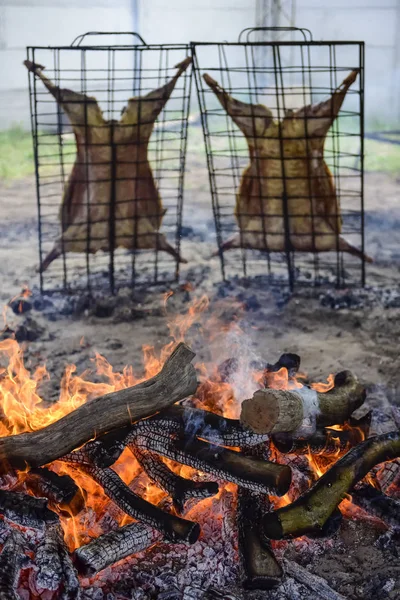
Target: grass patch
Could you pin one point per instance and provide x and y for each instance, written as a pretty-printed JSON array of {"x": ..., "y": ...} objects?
[
  {"x": 16, "y": 154},
  {"x": 17, "y": 158}
]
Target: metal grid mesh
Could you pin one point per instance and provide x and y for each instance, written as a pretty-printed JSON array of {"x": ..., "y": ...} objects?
[
  {"x": 95, "y": 178},
  {"x": 279, "y": 231}
]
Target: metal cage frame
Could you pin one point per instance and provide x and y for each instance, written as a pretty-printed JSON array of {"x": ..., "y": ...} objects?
[
  {"x": 240, "y": 265},
  {"x": 113, "y": 273}
]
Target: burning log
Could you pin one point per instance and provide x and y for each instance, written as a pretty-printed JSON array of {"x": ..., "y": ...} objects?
[
  {"x": 179, "y": 488},
  {"x": 26, "y": 510},
  {"x": 58, "y": 489},
  {"x": 111, "y": 547},
  {"x": 180, "y": 420},
  {"x": 54, "y": 565},
  {"x": 310, "y": 512},
  {"x": 175, "y": 381},
  {"x": 251, "y": 473},
  {"x": 174, "y": 528},
  {"x": 323, "y": 441},
  {"x": 261, "y": 569},
  {"x": 207, "y": 425},
  {"x": 318, "y": 585},
  {"x": 281, "y": 411},
  {"x": 12, "y": 560},
  {"x": 377, "y": 504}
]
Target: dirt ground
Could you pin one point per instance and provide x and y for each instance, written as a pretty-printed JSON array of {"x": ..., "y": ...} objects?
[{"x": 361, "y": 335}]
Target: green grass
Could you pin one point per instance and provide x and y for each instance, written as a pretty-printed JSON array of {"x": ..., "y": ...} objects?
[
  {"x": 16, "y": 151},
  {"x": 16, "y": 154}
]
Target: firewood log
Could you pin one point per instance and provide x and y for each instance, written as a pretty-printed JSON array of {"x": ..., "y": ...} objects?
[
  {"x": 183, "y": 421},
  {"x": 114, "y": 546},
  {"x": 276, "y": 411},
  {"x": 175, "y": 381},
  {"x": 316, "y": 584},
  {"x": 261, "y": 569},
  {"x": 251, "y": 473},
  {"x": 54, "y": 564},
  {"x": 59, "y": 490},
  {"x": 180, "y": 489},
  {"x": 26, "y": 510},
  {"x": 310, "y": 512},
  {"x": 174, "y": 528},
  {"x": 377, "y": 504},
  {"x": 12, "y": 559}
]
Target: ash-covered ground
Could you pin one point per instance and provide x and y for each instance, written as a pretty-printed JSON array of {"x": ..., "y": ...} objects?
[{"x": 332, "y": 330}]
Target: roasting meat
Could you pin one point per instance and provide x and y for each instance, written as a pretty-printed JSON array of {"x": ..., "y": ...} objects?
[
  {"x": 287, "y": 159},
  {"x": 111, "y": 162}
]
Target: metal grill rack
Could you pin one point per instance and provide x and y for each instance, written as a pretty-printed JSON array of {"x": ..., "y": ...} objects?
[
  {"x": 97, "y": 178},
  {"x": 287, "y": 190}
]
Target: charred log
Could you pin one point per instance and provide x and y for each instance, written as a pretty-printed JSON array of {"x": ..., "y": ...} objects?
[
  {"x": 175, "y": 381},
  {"x": 377, "y": 504},
  {"x": 277, "y": 411},
  {"x": 26, "y": 510},
  {"x": 182, "y": 421},
  {"x": 251, "y": 473},
  {"x": 261, "y": 569},
  {"x": 311, "y": 511},
  {"x": 54, "y": 565},
  {"x": 180, "y": 489},
  {"x": 58, "y": 489},
  {"x": 323, "y": 441},
  {"x": 191, "y": 422},
  {"x": 318, "y": 585},
  {"x": 111, "y": 547},
  {"x": 174, "y": 528},
  {"x": 12, "y": 559}
]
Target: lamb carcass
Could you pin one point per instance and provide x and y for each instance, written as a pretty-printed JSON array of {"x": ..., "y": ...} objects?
[
  {"x": 111, "y": 161},
  {"x": 287, "y": 159}
]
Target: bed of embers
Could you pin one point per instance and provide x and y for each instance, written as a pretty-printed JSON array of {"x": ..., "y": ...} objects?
[{"x": 175, "y": 471}]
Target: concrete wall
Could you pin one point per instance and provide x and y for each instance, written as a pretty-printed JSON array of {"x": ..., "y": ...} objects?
[{"x": 57, "y": 22}]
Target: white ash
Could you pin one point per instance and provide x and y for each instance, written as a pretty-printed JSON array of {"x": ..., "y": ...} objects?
[{"x": 311, "y": 410}]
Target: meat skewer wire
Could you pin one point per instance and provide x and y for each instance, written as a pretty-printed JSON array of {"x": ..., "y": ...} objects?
[
  {"x": 179, "y": 488},
  {"x": 224, "y": 464},
  {"x": 114, "y": 546},
  {"x": 174, "y": 528}
]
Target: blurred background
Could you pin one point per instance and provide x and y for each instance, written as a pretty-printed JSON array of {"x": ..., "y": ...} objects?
[{"x": 57, "y": 22}]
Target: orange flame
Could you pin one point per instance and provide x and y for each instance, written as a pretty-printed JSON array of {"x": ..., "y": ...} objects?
[{"x": 23, "y": 409}]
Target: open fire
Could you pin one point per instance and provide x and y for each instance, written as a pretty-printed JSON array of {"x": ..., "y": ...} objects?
[{"x": 289, "y": 462}]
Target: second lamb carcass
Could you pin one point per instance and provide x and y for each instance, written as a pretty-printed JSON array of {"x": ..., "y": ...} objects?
[
  {"x": 287, "y": 159},
  {"x": 111, "y": 162}
]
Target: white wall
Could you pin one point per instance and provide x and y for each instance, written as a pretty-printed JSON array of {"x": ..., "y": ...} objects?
[{"x": 57, "y": 22}]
